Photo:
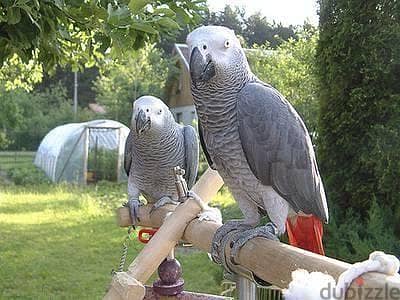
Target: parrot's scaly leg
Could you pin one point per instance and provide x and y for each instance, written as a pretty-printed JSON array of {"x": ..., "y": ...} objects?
[
  {"x": 219, "y": 240},
  {"x": 163, "y": 201},
  {"x": 268, "y": 231},
  {"x": 133, "y": 205}
]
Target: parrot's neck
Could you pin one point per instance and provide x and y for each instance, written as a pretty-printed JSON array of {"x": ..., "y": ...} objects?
[
  {"x": 157, "y": 138},
  {"x": 216, "y": 100}
]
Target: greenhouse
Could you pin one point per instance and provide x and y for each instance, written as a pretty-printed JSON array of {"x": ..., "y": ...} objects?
[{"x": 84, "y": 152}]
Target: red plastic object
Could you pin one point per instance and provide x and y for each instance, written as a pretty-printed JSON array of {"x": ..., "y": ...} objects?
[{"x": 145, "y": 234}]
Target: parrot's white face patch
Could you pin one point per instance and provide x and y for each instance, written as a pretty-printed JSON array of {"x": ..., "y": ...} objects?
[
  {"x": 216, "y": 40},
  {"x": 152, "y": 109},
  {"x": 218, "y": 43}
]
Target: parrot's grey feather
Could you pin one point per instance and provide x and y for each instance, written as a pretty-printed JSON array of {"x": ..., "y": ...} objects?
[
  {"x": 191, "y": 155},
  {"x": 204, "y": 147},
  {"x": 278, "y": 149},
  {"x": 128, "y": 153}
]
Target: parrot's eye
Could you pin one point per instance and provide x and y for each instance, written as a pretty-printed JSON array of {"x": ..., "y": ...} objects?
[
  {"x": 147, "y": 110},
  {"x": 204, "y": 47},
  {"x": 227, "y": 44},
  {"x": 160, "y": 111}
]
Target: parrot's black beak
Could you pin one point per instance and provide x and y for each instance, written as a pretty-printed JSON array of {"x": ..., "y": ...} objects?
[
  {"x": 202, "y": 68},
  {"x": 143, "y": 122}
]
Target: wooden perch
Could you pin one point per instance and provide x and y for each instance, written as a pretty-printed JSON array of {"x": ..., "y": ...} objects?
[
  {"x": 274, "y": 262},
  {"x": 163, "y": 241},
  {"x": 271, "y": 261}
]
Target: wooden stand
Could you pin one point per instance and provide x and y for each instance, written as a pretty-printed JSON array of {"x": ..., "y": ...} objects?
[
  {"x": 163, "y": 241},
  {"x": 271, "y": 261}
]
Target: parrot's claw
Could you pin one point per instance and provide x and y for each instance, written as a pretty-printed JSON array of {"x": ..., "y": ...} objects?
[
  {"x": 268, "y": 231},
  {"x": 133, "y": 205},
  {"x": 221, "y": 237},
  {"x": 195, "y": 197},
  {"x": 163, "y": 201},
  {"x": 212, "y": 214}
]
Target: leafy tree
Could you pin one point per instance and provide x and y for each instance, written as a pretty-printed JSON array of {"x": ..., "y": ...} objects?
[
  {"x": 139, "y": 73},
  {"x": 16, "y": 74},
  {"x": 291, "y": 69},
  {"x": 86, "y": 78},
  {"x": 359, "y": 72},
  {"x": 31, "y": 115},
  {"x": 62, "y": 32},
  {"x": 258, "y": 31}
]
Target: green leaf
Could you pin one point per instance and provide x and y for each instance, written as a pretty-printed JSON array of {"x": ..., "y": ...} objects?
[
  {"x": 64, "y": 34},
  {"x": 136, "y": 5},
  {"x": 164, "y": 11},
  {"x": 119, "y": 17},
  {"x": 13, "y": 15},
  {"x": 144, "y": 27},
  {"x": 169, "y": 24}
]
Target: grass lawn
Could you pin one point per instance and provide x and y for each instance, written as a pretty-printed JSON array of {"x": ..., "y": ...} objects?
[{"x": 61, "y": 242}]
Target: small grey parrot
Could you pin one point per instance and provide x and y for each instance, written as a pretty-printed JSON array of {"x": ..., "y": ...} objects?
[
  {"x": 155, "y": 145},
  {"x": 258, "y": 143}
]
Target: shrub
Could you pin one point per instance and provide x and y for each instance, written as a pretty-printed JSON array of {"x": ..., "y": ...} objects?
[
  {"x": 359, "y": 71},
  {"x": 27, "y": 175}
]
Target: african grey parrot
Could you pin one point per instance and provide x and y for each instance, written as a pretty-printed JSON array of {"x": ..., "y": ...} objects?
[
  {"x": 257, "y": 142},
  {"x": 155, "y": 145}
]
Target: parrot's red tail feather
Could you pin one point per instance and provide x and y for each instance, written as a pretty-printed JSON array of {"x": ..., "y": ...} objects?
[{"x": 306, "y": 232}]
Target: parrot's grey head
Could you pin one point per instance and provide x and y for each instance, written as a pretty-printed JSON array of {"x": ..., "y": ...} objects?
[
  {"x": 215, "y": 52},
  {"x": 150, "y": 115}
]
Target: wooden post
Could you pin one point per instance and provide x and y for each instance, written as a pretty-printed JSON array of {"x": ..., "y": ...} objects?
[
  {"x": 85, "y": 154},
  {"x": 165, "y": 239}
]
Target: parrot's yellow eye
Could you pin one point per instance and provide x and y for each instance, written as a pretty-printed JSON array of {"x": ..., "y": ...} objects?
[{"x": 227, "y": 44}]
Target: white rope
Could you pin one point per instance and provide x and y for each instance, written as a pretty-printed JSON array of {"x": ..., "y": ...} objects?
[{"x": 320, "y": 286}]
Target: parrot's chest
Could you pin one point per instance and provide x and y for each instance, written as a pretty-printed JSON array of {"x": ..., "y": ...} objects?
[
  {"x": 153, "y": 173},
  {"x": 227, "y": 154}
]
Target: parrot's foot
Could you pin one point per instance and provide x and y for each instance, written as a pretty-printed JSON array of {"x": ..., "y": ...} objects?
[
  {"x": 222, "y": 236},
  {"x": 133, "y": 205},
  {"x": 212, "y": 214},
  {"x": 163, "y": 201},
  {"x": 268, "y": 231}
]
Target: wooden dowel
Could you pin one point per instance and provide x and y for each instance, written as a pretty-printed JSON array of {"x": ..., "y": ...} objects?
[{"x": 274, "y": 262}]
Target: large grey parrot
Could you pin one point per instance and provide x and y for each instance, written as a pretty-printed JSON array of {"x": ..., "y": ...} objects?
[
  {"x": 155, "y": 145},
  {"x": 257, "y": 142}
]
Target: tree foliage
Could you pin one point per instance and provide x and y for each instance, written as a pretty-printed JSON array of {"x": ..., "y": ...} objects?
[
  {"x": 255, "y": 29},
  {"x": 16, "y": 74},
  {"x": 26, "y": 117},
  {"x": 122, "y": 81},
  {"x": 291, "y": 69},
  {"x": 359, "y": 71},
  {"x": 73, "y": 32}
]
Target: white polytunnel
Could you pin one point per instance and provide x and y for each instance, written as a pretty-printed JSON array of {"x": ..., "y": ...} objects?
[{"x": 84, "y": 152}]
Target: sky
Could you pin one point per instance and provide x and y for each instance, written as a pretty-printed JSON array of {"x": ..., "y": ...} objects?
[{"x": 287, "y": 12}]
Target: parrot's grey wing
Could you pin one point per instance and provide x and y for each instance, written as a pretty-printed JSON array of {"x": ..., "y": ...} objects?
[
  {"x": 191, "y": 154},
  {"x": 278, "y": 148},
  {"x": 204, "y": 147},
  {"x": 128, "y": 153}
]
